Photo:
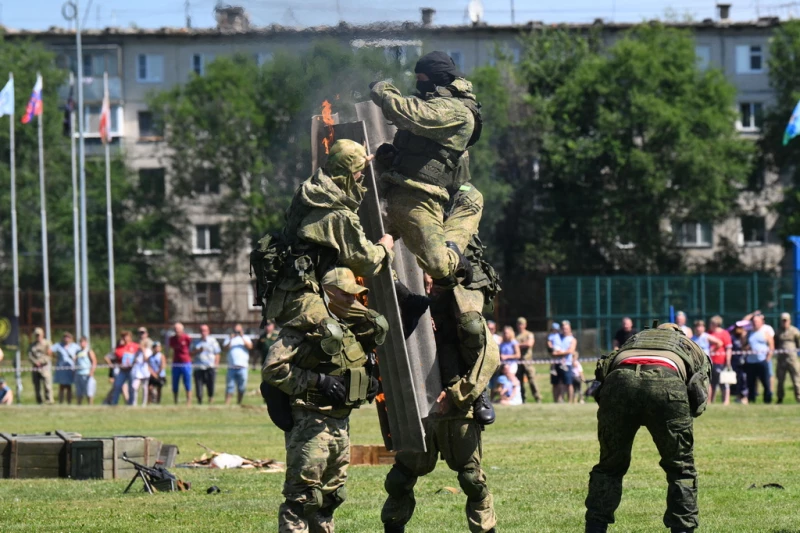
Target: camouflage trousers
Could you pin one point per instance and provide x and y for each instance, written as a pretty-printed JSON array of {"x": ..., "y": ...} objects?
[
  {"x": 317, "y": 456},
  {"x": 459, "y": 442},
  {"x": 656, "y": 399},
  {"x": 787, "y": 364},
  {"x": 417, "y": 217}
]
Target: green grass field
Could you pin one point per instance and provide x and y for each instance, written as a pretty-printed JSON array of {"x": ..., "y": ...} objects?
[{"x": 537, "y": 459}]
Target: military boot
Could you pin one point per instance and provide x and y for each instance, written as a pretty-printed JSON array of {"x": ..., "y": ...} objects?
[
  {"x": 393, "y": 528},
  {"x": 681, "y": 530},
  {"x": 412, "y": 307},
  {"x": 482, "y": 410},
  {"x": 596, "y": 527}
]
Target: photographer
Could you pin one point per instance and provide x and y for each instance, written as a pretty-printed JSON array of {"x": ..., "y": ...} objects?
[{"x": 238, "y": 347}]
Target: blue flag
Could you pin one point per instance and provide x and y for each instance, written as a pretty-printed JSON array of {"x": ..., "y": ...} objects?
[
  {"x": 793, "y": 128},
  {"x": 7, "y": 99}
]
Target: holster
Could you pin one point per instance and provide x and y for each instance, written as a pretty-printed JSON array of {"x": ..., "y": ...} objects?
[
  {"x": 697, "y": 390},
  {"x": 279, "y": 406}
]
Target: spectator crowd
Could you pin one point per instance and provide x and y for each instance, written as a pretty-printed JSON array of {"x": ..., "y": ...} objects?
[
  {"x": 741, "y": 355},
  {"x": 137, "y": 368}
]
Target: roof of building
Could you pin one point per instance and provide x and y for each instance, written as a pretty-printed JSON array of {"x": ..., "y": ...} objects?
[{"x": 344, "y": 28}]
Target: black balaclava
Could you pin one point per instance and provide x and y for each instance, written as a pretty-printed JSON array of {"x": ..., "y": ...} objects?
[{"x": 440, "y": 69}]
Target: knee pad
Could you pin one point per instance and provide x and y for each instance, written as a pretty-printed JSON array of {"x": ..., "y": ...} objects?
[
  {"x": 472, "y": 329},
  {"x": 399, "y": 481},
  {"x": 472, "y": 485},
  {"x": 306, "y": 503},
  {"x": 335, "y": 499}
]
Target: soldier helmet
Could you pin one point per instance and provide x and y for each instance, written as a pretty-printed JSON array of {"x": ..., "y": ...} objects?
[
  {"x": 671, "y": 326},
  {"x": 343, "y": 278},
  {"x": 346, "y": 157}
]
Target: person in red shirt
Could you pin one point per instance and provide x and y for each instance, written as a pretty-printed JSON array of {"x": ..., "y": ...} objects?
[
  {"x": 180, "y": 343},
  {"x": 720, "y": 358},
  {"x": 125, "y": 354}
]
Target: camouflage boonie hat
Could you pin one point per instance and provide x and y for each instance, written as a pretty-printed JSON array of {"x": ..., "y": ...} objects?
[
  {"x": 346, "y": 157},
  {"x": 344, "y": 279},
  {"x": 38, "y": 331}
]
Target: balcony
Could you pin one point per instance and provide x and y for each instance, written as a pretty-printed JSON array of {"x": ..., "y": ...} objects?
[{"x": 93, "y": 89}]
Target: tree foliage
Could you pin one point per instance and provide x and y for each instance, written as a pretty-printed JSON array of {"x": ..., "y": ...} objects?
[{"x": 605, "y": 145}]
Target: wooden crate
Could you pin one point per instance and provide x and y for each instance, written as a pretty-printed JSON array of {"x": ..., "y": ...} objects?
[
  {"x": 101, "y": 458},
  {"x": 370, "y": 455},
  {"x": 36, "y": 456}
]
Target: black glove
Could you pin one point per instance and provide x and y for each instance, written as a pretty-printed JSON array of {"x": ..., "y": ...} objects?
[
  {"x": 333, "y": 388},
  {"x": 373, "y": 388}
]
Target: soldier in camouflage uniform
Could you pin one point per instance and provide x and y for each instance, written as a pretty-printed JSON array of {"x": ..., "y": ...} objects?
[
  {"x": 324, "y": 383},
  {"x": 467, "y": 359},
  {"x": 41, "y": 356},
  {"x": 657, "y": 379},
  {"x": 323, "y": 231},
  {"x": 428, "y": 161}
]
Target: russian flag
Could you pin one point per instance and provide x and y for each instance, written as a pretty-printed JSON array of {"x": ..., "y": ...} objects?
[{"x": 34, "y": 108}]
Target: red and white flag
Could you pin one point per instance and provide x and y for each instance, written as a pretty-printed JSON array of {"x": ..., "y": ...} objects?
[{"x": 105, "y": 116}]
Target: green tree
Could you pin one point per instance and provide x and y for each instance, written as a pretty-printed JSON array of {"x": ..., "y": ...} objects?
[
  {"x": 246, "y": 130},
  {"x": 136, "y": 219},
  {"x": 773, "y": 156},
  {"x": 607, "y": 145}
]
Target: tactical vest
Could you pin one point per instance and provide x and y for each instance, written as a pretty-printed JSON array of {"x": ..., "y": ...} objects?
[
  {"x": 423, "y": 159},
  {"x": 671, "y": 341},
  {"x": 348, "y": 362}
]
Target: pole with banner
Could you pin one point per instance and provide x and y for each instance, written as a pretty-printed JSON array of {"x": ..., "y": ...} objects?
[
  {"x": 7, "y": 108},
  {"x": 105, "y": 135},
  {"x": 76, "y": 241},
  {"x": 34, "y": 109}
]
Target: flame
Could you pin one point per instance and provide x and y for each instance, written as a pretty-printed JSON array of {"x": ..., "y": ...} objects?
[
  {"x": 327, "y": 118},
  {"x": 363, "y": 297}
]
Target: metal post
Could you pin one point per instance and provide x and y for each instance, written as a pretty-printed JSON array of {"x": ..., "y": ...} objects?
[
  {"x": 75, "y": 217},
  {"x": 795, "y": 240},
  {"x": 110, "y": 226},
  {"x": 15, "y": 248},
  {"x": 703, "y": 296},
  {"x": 82, "y": 175},
  {"x": 45, "y": 258}
]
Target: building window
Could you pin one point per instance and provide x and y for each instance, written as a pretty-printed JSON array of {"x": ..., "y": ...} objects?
[
  {"x": 150, "y": 68},
  {"x": 207, "y": 239},
  {"x": 148, "y": 127},
  {"x": 754, "y": 231},
  {"x": 693, "y": 234},
  {"x": 703, "y": 54},
  {"x": 205, "y": 181},
  {"x": 200, "y": 62},
  {"x": 209, "y": 295},
  {"x": 152, "y": 183},
  {"x": 749, "y": 59},
  {"x": 91, "y": 117},
  {"x": 751, "y": 116}
]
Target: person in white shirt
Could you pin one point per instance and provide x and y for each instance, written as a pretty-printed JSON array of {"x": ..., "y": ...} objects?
[
  {"x": 680, "y": 319},
  {"x": 206, "y": 353},
  {"x": 238, "y": 347}
]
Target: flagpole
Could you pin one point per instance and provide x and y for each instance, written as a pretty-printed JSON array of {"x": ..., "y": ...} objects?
[
  {"x": 45, "y": 258},
  {"x": 82, "y": 180},
  {"x": 109, "y": 221},
  {"x": 15, "y": 250},
  {"x": 75, "y": 218}
]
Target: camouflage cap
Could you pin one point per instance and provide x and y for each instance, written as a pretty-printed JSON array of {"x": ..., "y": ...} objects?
[
  {"x": 346, "y": 157},
  {"x": 38, "y": 331},
  {"x": 344, "y": 279}
]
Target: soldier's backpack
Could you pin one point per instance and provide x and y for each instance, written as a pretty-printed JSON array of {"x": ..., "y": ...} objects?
[{"x": 267, "y": 261}]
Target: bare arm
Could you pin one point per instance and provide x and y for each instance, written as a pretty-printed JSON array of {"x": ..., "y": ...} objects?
[
  {"x": 93, "y": 358},
  {"x": 771, "y": 344},
  {"x": 247, "y": 342}
]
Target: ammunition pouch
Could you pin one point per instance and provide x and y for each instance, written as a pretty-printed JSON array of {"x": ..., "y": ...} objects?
[
  {"x": 279, "y": 406},
  {"x": 697, "y": 390},
  {"x": 356, "y": 381},
  {"x": 604, "y": 367}
]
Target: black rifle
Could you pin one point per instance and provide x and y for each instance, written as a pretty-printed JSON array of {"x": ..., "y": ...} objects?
[{"x": 155, "y": 479}]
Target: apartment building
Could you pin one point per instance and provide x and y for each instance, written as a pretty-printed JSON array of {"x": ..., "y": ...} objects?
[{"x": 140, "y": 61}]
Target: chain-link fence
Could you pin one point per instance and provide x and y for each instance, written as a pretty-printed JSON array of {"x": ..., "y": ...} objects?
[{"x": 595, "y": 305}]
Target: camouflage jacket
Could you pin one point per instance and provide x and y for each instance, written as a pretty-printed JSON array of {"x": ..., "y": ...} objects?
[
  {"x": 39, "y": 353},
  {"x": 444, "y": 120}
]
